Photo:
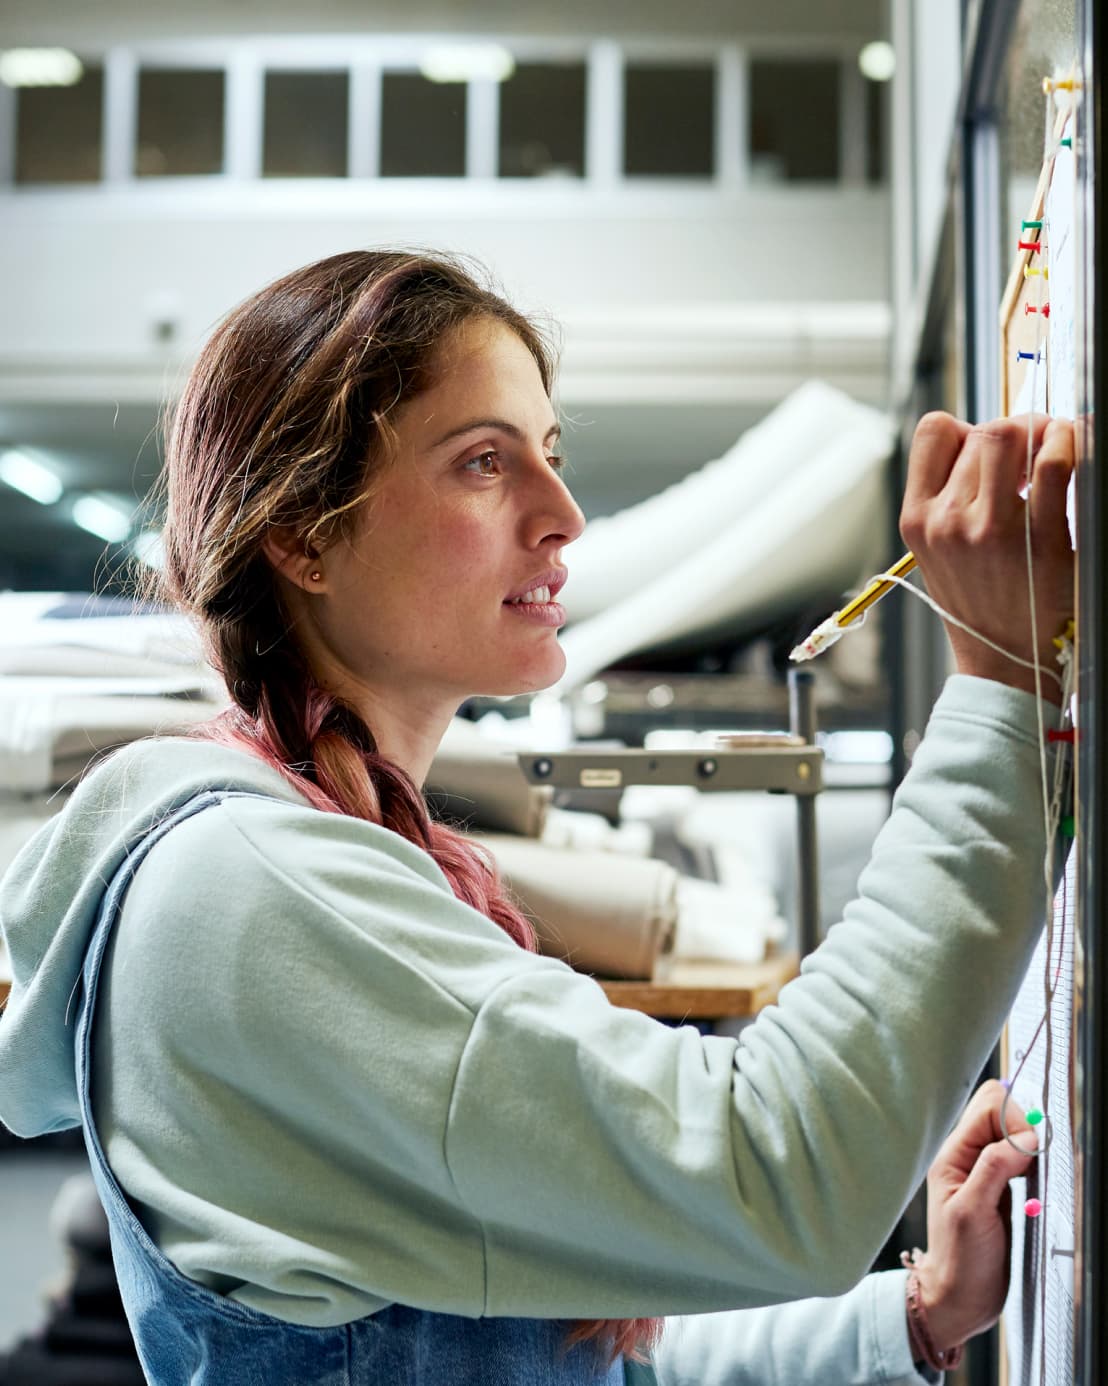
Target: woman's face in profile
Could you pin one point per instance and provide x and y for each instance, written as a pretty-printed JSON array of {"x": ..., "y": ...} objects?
[{"x": 471, "y": 511}]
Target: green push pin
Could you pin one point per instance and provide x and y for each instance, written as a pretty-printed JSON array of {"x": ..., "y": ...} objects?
[
  {"x": 1067, "y": 143},
  {"x": 1066, "y": 826},
  {"x": 1034, "y": 1116},
  {"x": 1031, "y": 225}
]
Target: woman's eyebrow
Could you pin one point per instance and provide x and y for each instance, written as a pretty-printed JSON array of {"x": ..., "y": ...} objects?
[{"x": 501, "y": 426}]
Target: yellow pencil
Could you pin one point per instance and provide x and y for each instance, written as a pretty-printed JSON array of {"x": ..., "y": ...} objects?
[{"x": 827, "y": 632}]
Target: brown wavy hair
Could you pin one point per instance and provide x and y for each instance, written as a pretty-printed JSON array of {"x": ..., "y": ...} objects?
[{"x": 285, "y": 421}]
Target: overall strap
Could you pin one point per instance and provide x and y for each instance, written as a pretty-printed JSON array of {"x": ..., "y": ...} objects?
[{"x": 111, "y": 904}]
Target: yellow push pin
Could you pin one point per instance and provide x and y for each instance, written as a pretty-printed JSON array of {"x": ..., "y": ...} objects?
[
  {"x": 1062, "y": 84},
  {"x": 1029, "y": 270}
]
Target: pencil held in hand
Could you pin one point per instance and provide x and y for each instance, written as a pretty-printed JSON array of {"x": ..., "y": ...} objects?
[{"x": 827, "y": 632}]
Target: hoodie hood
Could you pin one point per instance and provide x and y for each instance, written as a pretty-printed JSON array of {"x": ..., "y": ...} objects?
[{"x": 50, "y": 900}]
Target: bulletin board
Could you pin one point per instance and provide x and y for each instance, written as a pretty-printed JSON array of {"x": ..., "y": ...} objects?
[{"x": 1041, "y": 329}]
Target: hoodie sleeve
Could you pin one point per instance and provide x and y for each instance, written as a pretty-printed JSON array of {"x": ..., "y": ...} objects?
[
  {"x": 858, "y": 1339},
  {"x": 474, "y": 1129}
]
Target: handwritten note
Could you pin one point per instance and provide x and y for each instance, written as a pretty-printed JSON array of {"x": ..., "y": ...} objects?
[{"x": 1039, "y": 1314}]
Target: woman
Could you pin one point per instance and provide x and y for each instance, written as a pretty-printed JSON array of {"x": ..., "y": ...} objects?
[{"x": 365, "y": 1134}]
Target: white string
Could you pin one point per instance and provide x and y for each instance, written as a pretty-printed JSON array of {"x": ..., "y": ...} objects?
[
  {"x": 954, "y": 621},
  {"x": 1052, "y": 803}
]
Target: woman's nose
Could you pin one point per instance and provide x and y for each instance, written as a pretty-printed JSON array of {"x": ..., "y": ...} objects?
[{"x": 554, "y": 512}]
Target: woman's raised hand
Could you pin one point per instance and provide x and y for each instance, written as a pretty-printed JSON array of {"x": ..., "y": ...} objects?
[
  {"x": 964, "y": 519},
  {"x": 964, "y": 1273}
]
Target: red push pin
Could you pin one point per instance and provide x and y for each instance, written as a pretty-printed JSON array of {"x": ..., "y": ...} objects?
[
  {"x": 1034, "y": 308},
  {"x": 1069, "y": 734},
  {"x": 1033, "y": 1207},
  {"x": 1036, "y": 246}
]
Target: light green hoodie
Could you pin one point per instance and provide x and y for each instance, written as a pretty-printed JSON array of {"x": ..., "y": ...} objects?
[{"x": 327, "y": 1085}]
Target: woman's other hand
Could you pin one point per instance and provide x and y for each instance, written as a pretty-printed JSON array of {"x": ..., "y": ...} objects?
[
  {"x": 964, "y": 1273},
  {"x": 964, "y": 519}
]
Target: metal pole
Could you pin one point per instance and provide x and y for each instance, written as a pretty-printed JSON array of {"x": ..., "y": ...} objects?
[{"x": 802, "y": 722}]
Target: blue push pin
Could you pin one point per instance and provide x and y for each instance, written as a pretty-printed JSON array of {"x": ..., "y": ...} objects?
[{"x": 1029, "y": 356}]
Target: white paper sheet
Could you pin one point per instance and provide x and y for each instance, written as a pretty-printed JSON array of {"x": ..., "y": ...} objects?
[
  {"x": 1039, "y": 1314},
  {"x": 1038, "y": 1317},
  {"x": 1062, "y": 251}
]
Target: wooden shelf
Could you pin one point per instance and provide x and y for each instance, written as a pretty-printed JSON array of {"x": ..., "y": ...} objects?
[{"x": 705, "y": 990}]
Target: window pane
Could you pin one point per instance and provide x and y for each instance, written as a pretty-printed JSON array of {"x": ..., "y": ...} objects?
[
  {"x": 58, "y": 130},
  {"x": 423, "y": 127},
  {"x": 876, "y": 97},
  {"x": 180, "y": 122},
  {"x": 305, "y": 124},
  {"x": 794, "y": 119},
  {"x": 669, "y": 121},
  {"x": 542, "y": 121}
]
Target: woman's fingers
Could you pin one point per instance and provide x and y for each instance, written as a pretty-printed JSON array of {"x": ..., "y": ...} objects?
[
  {"x": 1003, "y": 459},
  {"x": 936, "y": 445},
  {"x": 965, "y": 521},
  {"x": 979, "y": 1127},
  {"x": 996, "y": 1164},
  {"x": 1050, "y": 479}
]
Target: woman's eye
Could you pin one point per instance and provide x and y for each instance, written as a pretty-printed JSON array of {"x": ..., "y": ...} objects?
[
  {"x": 558, "y": 462},
  {"x": 477, "y": 463}
]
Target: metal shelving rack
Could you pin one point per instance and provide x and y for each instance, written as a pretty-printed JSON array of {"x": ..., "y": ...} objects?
[{"x": 793, "y": 767}]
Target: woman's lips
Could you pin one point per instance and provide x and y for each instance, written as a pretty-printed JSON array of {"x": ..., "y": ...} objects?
[{"x": 541, "y": 613}]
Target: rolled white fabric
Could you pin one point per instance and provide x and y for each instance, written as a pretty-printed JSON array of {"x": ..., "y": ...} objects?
[
  {"x": 723, "y": 923},
  {"x": 50, "y": 731},
  {"x": 479, "y": 783},
  {"x": 618, "y": 555},
  {"x": 602, "y": 912},
  {"x": 812, "y": 531}
]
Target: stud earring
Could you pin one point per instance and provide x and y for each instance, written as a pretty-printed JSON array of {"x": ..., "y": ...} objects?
[{"x": 315, "y": 575}]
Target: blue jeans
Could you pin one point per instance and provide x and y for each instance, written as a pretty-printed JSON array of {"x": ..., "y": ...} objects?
[{"x": 187, "y": 1335}]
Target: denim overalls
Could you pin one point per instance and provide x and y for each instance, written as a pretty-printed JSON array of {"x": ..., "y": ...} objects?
[{"x": 187, "y": 1335}]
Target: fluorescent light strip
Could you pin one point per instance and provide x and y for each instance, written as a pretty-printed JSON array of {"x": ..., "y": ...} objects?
[
  {"x": 149, "y": 548},
  {"x": 40, "y": 67},
  {"x": 102, "y": 517},
  {"x": 22, "y": 473},
  {"x": 467, "y": 62}
]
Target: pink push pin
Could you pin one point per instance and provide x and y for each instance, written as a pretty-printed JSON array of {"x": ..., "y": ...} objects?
[{"x": 1033, "y": 1207}]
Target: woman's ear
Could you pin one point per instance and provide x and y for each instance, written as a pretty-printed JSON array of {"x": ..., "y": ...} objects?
[{"x": 287, "y": 555}]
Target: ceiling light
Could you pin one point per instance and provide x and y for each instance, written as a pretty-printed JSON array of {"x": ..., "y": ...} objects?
[
  {"x": 104, "y": 518},
  {"x": 149, "y": 548},
  {"x": 34, "y": 479},
  {"x": 468, "y": 62},
  {"x": 877, "y": 61},
  {"x": 40, "y": 67}
]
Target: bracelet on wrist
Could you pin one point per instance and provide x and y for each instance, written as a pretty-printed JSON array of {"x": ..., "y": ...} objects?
[{"x": 920, "y": 1338}]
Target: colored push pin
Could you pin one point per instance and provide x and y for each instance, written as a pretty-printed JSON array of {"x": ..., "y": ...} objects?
[
  {"x": 1031, "y": 226},
  {"x": 1062, "y": 84},
  {"x": 1006, "y": 1084},
  {"x": 1033, "y": 1207},
  {"x": 1066, "y": 828},
  {"x": 1034, "y": 308},
  {"x": 1029, "y": 270},
  {"x": 1029, "y": 356},
  {"x": 1066, "y": 143},
  {"x": 1068, "y": 734},
  {"x": 1067, "y": 633},
  {"x": 1035, "y": 246},
  {"x": 1034, "y": 1116}
]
